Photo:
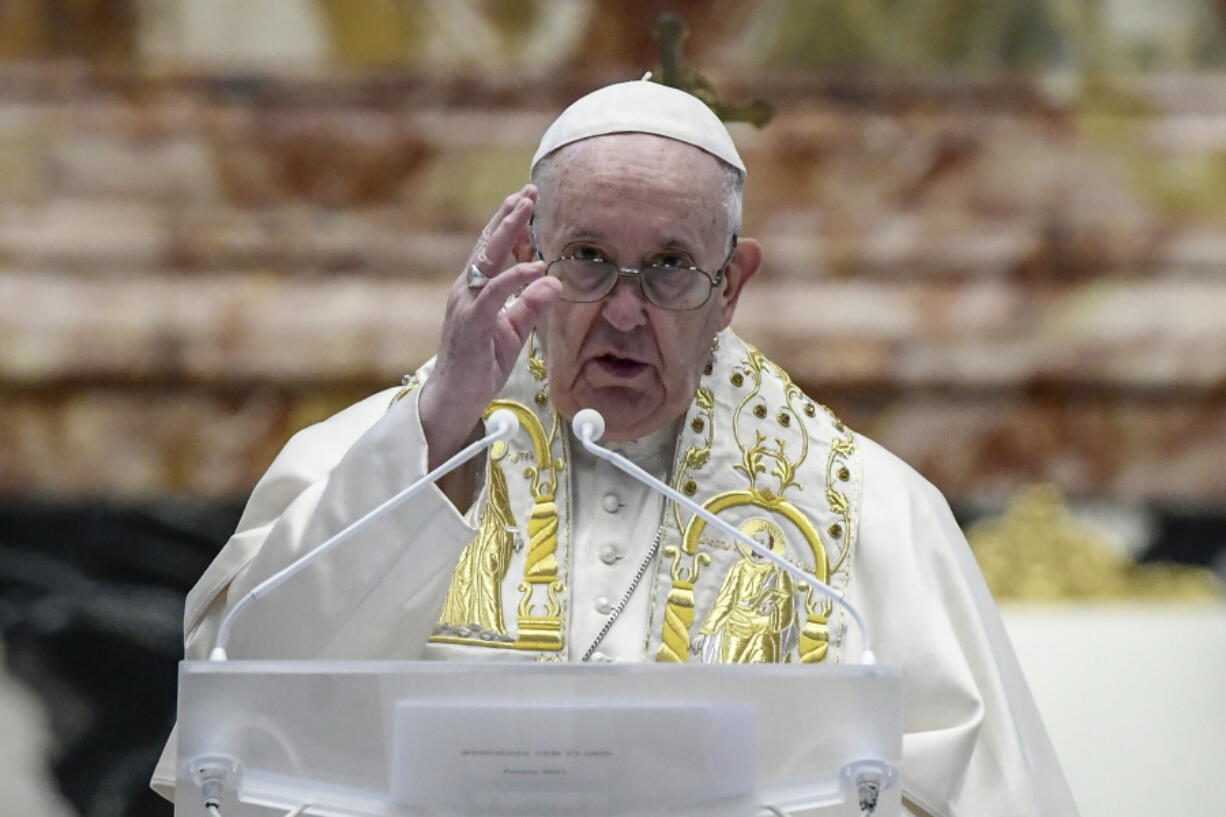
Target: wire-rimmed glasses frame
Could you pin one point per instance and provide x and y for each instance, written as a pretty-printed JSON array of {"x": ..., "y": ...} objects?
[{"x": 642, "y": 277}]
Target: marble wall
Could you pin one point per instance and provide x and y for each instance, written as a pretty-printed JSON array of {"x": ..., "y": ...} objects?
[{"x": 988, "y": 276}]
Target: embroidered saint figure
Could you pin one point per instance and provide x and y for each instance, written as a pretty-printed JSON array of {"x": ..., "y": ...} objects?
[{"x": 753, "y": 619}]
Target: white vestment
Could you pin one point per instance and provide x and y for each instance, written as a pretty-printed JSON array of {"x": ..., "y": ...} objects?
[{"x": 974, "y": 742}]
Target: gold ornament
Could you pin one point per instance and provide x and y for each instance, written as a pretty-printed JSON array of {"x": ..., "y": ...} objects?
[{"x": 1037, "y": 550}]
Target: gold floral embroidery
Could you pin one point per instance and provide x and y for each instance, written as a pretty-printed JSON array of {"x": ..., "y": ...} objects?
[{"x": 740, "y": 632}]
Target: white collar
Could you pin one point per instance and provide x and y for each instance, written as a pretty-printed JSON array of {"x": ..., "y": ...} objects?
[{"x": 653, "y": 451}]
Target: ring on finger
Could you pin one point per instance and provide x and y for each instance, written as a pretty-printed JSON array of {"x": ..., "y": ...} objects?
[{"x": 475, "y": 278}]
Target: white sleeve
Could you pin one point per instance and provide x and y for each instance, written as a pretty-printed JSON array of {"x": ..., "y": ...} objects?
[
  {"x": 974, "y": 742},
  {"x": 374, "y": 596}
]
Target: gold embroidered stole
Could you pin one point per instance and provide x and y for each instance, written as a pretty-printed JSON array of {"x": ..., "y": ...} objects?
[{"x": 753, "y": 450}]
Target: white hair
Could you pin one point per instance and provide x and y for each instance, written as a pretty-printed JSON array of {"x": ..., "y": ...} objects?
[
  {"x": 545, "y": 170},
  {"x": 734, "y": 190}
]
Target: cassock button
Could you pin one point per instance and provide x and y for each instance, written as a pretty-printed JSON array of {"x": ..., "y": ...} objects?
[
  {"x": 610, "y": 503},
  {"x": 610, "y": 555},
  {"x": 603, "y": 605}
]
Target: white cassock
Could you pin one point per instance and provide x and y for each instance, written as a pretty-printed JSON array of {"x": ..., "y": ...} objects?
[{"x": 974, "y": 743}]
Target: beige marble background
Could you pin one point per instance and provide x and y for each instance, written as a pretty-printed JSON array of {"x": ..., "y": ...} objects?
[{"x": 220, "y": 221}]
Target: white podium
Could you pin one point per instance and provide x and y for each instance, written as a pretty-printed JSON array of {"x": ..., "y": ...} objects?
[{"x": 510, "y": 739}]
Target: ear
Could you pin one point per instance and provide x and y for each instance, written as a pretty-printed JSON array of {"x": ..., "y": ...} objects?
[{"x": 745, "y": 262}]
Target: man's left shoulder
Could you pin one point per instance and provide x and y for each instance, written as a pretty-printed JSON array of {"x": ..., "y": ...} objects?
[
  {"x": 890, "y": 482},
  {"x": 904, "y": 518}
]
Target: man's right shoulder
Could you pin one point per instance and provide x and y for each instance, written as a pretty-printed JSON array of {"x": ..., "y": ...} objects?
[
  {"x": 312, "y": 452},
  {"x": 327, "y": 439},
  {"x": 317, "y": 448}
]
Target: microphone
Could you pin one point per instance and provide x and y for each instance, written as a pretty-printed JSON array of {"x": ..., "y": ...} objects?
[
  {"x": 502, "y": 425},
  {"x": 589, "y": 426}
]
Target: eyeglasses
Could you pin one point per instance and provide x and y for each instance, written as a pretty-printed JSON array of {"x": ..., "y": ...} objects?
[{"x": 669, "y": 286}]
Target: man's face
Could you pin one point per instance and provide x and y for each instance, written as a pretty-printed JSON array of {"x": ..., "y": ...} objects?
[{"x": 635, "y": 199}]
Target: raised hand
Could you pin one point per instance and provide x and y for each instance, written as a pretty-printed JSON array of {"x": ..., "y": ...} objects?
[{"x": 482, "y": 336}]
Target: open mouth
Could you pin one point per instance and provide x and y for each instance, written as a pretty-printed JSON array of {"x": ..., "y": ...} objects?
[{"x": 620, "y": 366}]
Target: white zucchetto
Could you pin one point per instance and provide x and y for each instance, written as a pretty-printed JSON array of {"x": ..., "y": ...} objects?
[{"x": 641, "y": 106}]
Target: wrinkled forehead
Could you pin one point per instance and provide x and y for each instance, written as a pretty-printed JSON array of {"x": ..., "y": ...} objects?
[{"x": 630, "y": 172}]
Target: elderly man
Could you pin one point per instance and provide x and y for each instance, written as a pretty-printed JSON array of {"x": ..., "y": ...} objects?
[{"x": 628, "y": 269}]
